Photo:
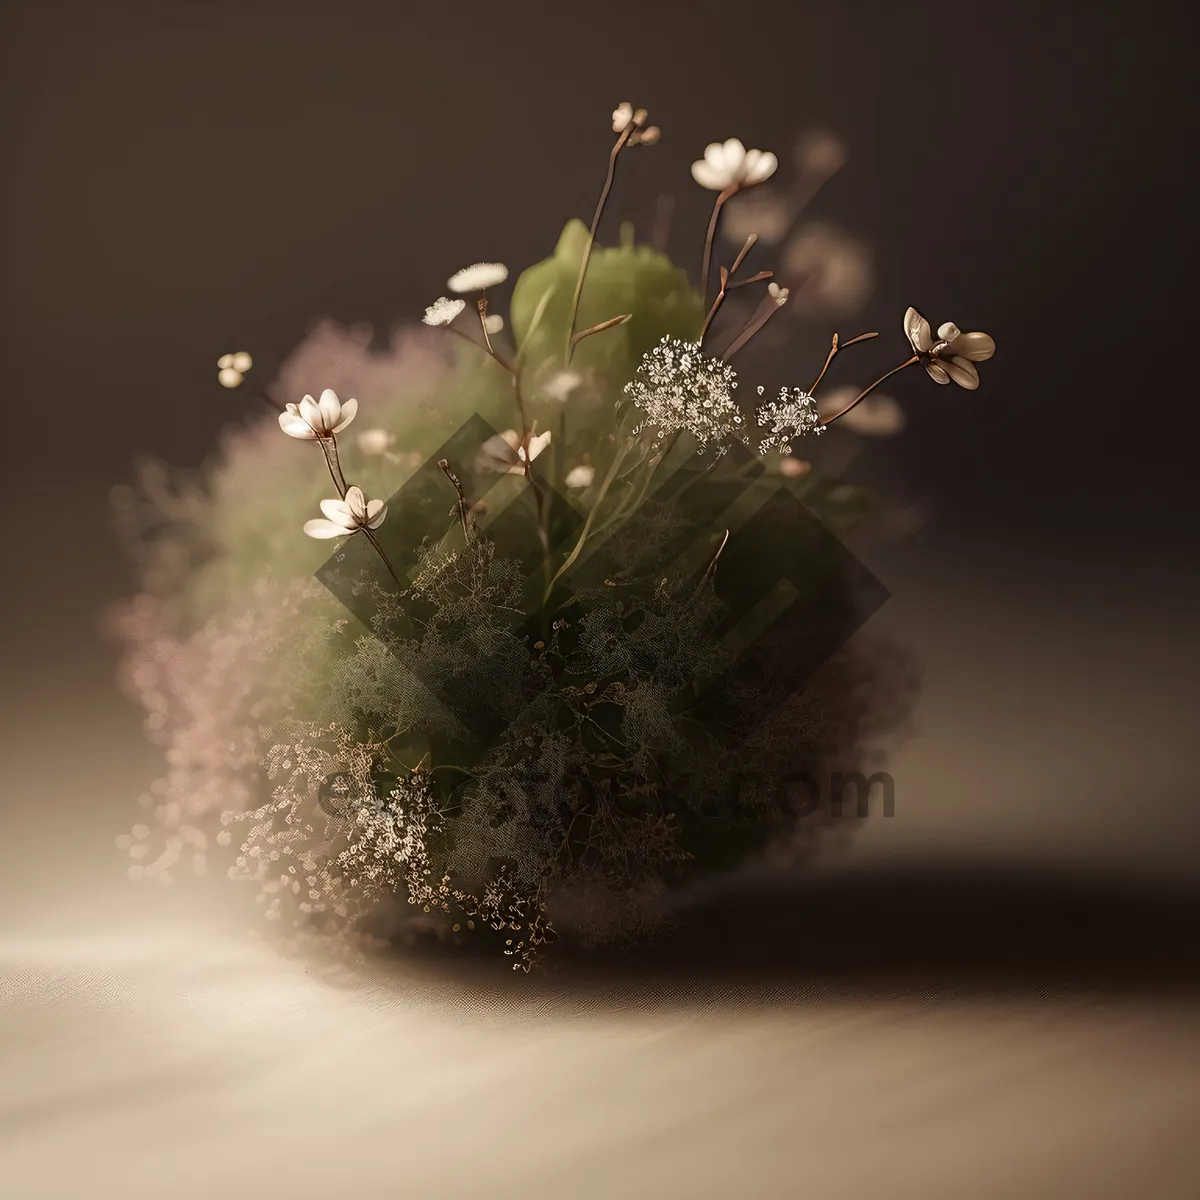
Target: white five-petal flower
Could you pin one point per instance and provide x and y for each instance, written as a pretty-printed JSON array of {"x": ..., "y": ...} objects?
[
  {"x": 312, "y": 419},
  {"x": 443, "y": 310},
  {"x": 478, "y": 277},
  {"x": 729, "y": 164},
  {"x": 952, "y": 355},
  {"x": 347, "y": 516}
]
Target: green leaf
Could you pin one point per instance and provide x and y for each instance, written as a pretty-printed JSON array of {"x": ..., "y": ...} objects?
[{"x": 622, "y": 279}]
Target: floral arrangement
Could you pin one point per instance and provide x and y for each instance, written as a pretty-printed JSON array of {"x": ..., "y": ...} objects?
[{"x": 568, "y": 649}]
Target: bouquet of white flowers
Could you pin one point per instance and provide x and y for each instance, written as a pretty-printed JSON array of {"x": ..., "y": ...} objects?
[{"x": 595, "y": 642}]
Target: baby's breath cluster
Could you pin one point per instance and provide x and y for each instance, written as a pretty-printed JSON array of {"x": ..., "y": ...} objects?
[
  {"x": 678, "y": 388},
  {"x": 793, "y": 415}
]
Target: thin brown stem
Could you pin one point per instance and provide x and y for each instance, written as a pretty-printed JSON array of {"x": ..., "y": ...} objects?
[
  {"x": 833, "y": 351},
  {"x": 374, "y": 540},
  {"x": 712, "y": 230},
  {"x": 716, "y": 304},
  {"x": 870, "y": 388},
  {"x": 578, "y": 337},
  {"x": 765, "y": 311},
  {"x": 329, "y": 450},
  {"x": 486, "y": 349},
  {"x": 751, "y": 279},
  {"x": 542, "y": 513},
  {"x": 481, "y": 305},
  {"x": 712, "y": 566},
  {"x": 587, "y": 250},
  {"x": 519, "y": 396},
  {"x": 741, "y": 258},
  {"x": 462, "y": 506},
  {"x": 726, "y": 276}
]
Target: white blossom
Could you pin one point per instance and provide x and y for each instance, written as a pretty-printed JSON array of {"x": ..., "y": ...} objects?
[
  {"x": 793, "y": 415},
  {"x": 478, "y": 277},
  {"x": 622, "y": 116},
  {"x": 443, "y": 310},
  {"x": 777, "y": 293},
  {"x": 730, "y": 165},
  {"x": 580, "y": 476},
  {"x": 678, "y": 387},
  {"x": 375, "y": 442},
  {"x": 505, "y": 451},
  {"x": 312, "y": 419},
  {"x": 625, "y": 115},
  {"x": 560, "y": 385},
  {"x": 953, "y": 355},
  {"x": 347, "y": 516},
  {"x": 534, "y": 445},
  {"x": 493, "y": 323}
]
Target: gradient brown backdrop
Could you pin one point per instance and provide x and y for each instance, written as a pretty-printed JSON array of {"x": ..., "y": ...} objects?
[{"x": 978, "y": 998}]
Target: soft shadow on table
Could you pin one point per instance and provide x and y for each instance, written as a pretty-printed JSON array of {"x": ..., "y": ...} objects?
[{"x": 936, "y": 936}]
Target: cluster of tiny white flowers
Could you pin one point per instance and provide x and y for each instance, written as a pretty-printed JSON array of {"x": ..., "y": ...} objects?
[
  {"x": 793, "y": 415},
  {"x": 388, "y": 847},
  {"x": 678, "y": 387},
  {"x": 443, "y": 310}
]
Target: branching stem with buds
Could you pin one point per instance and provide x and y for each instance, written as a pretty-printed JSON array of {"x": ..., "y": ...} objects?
[{"x": 726, "y": 284}]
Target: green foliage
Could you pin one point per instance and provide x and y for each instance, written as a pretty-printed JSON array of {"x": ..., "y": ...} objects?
[{"x": 620, "y": 279}]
